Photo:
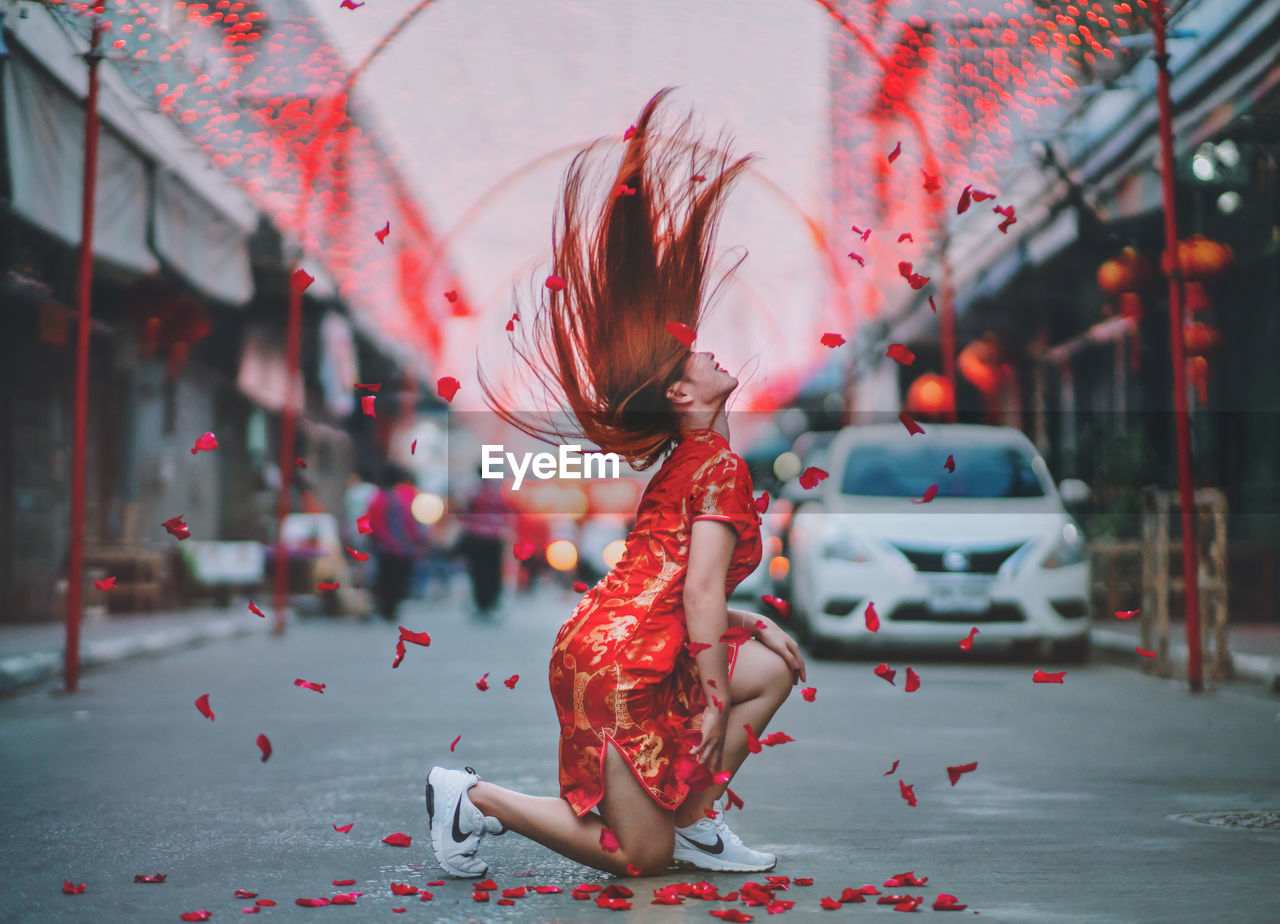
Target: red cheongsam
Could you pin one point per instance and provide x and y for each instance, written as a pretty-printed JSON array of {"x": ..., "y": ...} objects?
[{"x": 620, "y": 671}]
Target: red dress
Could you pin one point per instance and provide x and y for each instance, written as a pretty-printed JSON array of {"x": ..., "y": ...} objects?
[{"x": 620, "y": 671}]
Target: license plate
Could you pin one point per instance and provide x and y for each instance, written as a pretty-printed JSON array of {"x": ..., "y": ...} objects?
[{"x": 960, "y": 595}]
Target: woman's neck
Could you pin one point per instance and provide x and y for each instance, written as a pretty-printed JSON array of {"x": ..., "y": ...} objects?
[{"x": 714, "y": 419}]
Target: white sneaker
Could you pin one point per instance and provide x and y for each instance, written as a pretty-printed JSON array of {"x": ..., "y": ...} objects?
[
  {"x": 456, "y": 824},
  {"x": 710, "y": 844}
]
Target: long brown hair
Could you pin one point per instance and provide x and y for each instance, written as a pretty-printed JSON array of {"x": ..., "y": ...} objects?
[{"x": 634, "y": 258}]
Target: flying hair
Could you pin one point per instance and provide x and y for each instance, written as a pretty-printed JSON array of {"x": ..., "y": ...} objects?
[{"x": 634, "y": 245}]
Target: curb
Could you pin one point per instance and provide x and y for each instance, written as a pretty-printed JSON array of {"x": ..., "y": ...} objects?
[
  {"x": 19, "y": 671},
  {"x": 1256, "y": 668}
]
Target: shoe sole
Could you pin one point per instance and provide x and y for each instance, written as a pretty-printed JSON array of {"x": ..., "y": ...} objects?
[
  {"x": 723, "y": 866},
  {"x": 435, "y": 845}
]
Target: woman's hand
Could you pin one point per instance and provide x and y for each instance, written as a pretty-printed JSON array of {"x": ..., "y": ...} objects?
[
  {"x": 773, "y": 638},
  {"x": 710, "y": 749}
]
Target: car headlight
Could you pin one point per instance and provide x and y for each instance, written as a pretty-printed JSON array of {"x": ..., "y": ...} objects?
[
  {"x": 1068, "y": 549},
  {"x": 845, "y": 547}
]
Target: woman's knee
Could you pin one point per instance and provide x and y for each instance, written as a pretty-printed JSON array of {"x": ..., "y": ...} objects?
[{"x": 652, "y": 859}]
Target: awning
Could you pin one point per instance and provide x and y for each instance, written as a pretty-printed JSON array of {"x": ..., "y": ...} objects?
[
  {"x": 199, "y": 221},
  {"x": 44, "y": 130}
]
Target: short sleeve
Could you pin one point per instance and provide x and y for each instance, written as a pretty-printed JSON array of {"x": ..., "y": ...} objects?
[{"x": 722, "y": 491}]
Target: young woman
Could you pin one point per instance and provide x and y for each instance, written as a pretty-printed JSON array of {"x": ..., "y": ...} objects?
[{"x": 655, "y": 679}]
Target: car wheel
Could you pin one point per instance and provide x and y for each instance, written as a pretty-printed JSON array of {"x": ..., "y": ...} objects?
[{"x": 1072, "y": 650}]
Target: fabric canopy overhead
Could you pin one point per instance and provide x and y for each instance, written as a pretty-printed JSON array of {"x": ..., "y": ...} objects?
[
  {"x": 44, "y": 130},
  {"x": 157, "y": 202}
]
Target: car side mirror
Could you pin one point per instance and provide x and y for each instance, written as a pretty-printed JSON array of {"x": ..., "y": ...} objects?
[{"x": 1074, "y": 491}]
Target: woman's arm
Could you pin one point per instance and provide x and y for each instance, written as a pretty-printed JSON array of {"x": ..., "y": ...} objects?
[{"x": 706, "y": 614}]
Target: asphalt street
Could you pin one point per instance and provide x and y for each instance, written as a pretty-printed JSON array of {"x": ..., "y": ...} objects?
[{"x": 1067, "y": 817}]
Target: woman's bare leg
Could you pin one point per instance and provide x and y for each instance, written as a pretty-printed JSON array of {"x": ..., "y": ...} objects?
[
  {"x": 643, "y": 828},
  {"x": 760, "y": 684}
]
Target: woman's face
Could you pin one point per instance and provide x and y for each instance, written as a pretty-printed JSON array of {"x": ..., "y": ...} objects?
[{"x": 705, "y": 384}]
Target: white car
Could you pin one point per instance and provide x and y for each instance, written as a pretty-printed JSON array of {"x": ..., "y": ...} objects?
[{"x": 993, "y": 549}]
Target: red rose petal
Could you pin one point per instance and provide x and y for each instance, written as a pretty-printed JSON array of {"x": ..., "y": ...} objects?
[
  {"x": 177, "y": 528},
  {"x": 483, "y": 683},
  {"x": 950, "y": 464},
  {"x": 913, "y": 681},
  {"x": 255, "y": 611},
  {"x": 851, "y": 896},
  {"x": 416, "y": 638},
  {"x": 242, "y": 893},
  {"x": 398, "y": 839},
  {"x": 899, "y": 353},
  {"x": 347, "y": 882},
  {"x": 885, "y": 672},
  {"x": 857, "y": 259},
  {"x": 555, "y": 283},
  {"x": 366, "y": 405},
  {"x": 264, "y": 745},
  {"x": 386, "y": 229},
  {"x": 954, "y": 773},
  {"x": 776, "y": 738},
  {"x": 967, "y": 643},
  {"x": 908, "y": 793},
  {"x": 1146, "y": 652},
  {"x": 832, "y": 340},
  {"x": 906, "y": 236},
  {"x": 358, "y": 556},
  {"x": 809, "y": 694},
  {"x": 609, "y": 840},
  {"x": 694, "y": 647},
  {"x": 753, "y": 743},
  {"x": 780, "y": 606},
  {"x": 205, "y": 442},
  {"x": 580, "y": 587},
  {"x": 309, "y": 685},
  {"x": 301, "y": 279},
  {"x": 312, "y": 902},
  {"x": 403, "y": 888},
  {"x": 734, "y": 801},
  {"x": 736, "y": 636},
  {"x": 447, "y": 386},
  {"x": 108, "y": 583},
  {"x": 70, "y": 888},
  {"x": 202, "y": 703},
  {"x": 931, "y": 183},
  {"x": 945, "y": 902},
  {"x": 930, "y": 493},
  {"x": 912, "y": 427},
  {"x": 895, "y": 153},
  {"x": 368, "y": 386},
  {"x": 830, "y": 904},
  {"x": 345, "y": 829},
  {"x": 523, "y": 550},
  {"x": 873, "y": 618},
  {"x": 762, "y": 502},
  {"x": 963, "y": 205},
  {"x": 327, "y": 585},
  {"x": 810, "y": 477},
  {"x": 155, "y": 877},
  {"x": 682, "y": 332},
  {"x": 1046, "y": 677},
  {"x": 201, "y": 915},
  {"x": 363, "y": 525},
  {"x": 510, "y": 682},
  {"x": 1127, "y": 614},
  {"x": 889, "y": 772},
  {"x": 453, "y": 744}
]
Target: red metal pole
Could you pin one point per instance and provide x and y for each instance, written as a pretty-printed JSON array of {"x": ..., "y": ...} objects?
[
  {"x": 288, "y": 416},
  {"x": 288, "y": 424},
  {"x": 1182, "y": 421},
  {"x": 80, "y": 414},
  {"x": 947, "y": 326}
]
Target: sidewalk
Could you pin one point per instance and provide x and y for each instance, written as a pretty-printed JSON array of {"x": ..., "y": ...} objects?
[
  {"x": 1254, "y": 647},
  {"x": 33, "y": 654}
]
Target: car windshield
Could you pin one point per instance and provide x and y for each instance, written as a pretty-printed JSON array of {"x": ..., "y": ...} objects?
[{"x": 909, "y": 470}]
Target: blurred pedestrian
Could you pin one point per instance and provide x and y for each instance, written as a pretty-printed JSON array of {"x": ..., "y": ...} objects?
[
  {"x": 486, "y": 533},
  {"x": 396, "y": 537}
]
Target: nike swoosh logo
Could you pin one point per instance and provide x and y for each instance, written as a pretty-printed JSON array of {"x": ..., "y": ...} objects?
[
  {"x": 707, "y": 848},
  {"x": 458, "y": 836},
  {"x": 431, "y": 801}
]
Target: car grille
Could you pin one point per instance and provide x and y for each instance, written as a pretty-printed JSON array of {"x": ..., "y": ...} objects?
[
  {"x": 918, "y": 612},
  {"x": 984, "y": 561}
]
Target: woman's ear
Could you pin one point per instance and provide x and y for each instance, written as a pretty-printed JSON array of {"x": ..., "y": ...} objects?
[{"x": 677, "y": 395}]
